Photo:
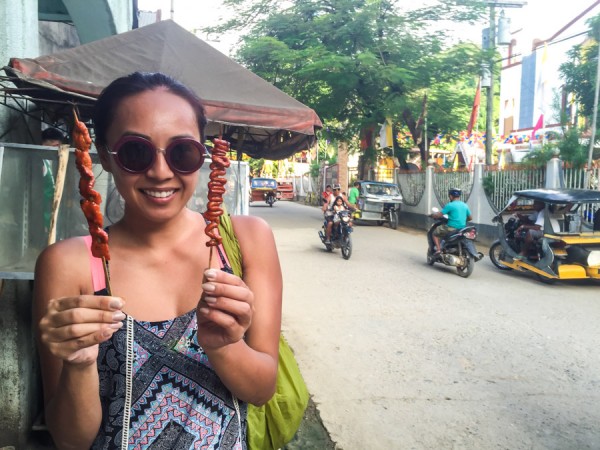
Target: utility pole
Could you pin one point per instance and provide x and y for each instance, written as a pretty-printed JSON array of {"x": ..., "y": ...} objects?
[
  {"x": 588, "y": 174},
  {"x": 489, "y": 115}
]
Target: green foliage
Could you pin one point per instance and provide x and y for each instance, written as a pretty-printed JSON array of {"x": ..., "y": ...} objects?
[
  {"x": 570, "y": 149},
  {"x": 357, "y": 62},
  {"x": 489, "y": 185},
  {"x": 256, "y": 166},
  {"x": 315, "y": 169}
]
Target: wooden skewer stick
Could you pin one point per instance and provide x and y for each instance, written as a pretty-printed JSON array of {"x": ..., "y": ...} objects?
[{"x": 106, "y": 276}]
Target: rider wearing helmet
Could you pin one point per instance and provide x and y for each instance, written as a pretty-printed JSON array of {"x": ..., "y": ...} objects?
[{"x": 458, "y": 215}]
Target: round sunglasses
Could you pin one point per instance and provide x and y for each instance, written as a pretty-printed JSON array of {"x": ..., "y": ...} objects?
[{"x": 135, "y": 154}]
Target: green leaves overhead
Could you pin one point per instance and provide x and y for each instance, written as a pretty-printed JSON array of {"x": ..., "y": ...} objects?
[{"x": 357, "y": 62}]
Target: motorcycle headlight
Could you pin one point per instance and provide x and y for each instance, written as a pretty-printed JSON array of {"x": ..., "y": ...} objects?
[{"x": 346, "y": 218}]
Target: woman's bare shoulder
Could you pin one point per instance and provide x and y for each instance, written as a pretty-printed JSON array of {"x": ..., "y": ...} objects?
[
  {"x": 252, "y": 222},
  {"x": 65, "y": 261}
]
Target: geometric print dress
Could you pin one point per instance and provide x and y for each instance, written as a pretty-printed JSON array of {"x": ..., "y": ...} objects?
[{"x": 177, "y": 400}]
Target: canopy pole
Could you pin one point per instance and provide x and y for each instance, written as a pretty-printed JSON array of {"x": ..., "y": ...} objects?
[{"x": 240, "y": 143}]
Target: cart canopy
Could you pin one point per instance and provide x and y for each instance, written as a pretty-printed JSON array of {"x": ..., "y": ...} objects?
[{"x": 255, "y": 116}]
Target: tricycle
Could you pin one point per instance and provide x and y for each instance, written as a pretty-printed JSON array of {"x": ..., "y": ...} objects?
[
  {"x": 568, "y": 246},
  {"x": 263, "y": 189},
  {"x": 380, "y": 202}
]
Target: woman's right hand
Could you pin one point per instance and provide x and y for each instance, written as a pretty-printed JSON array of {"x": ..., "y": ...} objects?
[{"x": 73, "y": 327}]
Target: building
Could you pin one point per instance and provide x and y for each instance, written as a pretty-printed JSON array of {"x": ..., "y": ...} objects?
[{"x": 530, "y": 80}]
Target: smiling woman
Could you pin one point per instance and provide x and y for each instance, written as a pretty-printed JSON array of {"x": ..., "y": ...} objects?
[{"x": 174, "y": 326}]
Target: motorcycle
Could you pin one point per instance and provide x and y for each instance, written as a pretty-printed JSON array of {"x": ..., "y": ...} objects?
[
  {"x": 340, "y": 233},
  {"x": 457, "y": 248},
  {"x": 270, "y": 198}
]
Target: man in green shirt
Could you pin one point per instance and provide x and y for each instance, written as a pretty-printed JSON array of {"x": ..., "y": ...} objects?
[
  {"x": 353, "y": 195},
  {"x": 458, "y": 215}
]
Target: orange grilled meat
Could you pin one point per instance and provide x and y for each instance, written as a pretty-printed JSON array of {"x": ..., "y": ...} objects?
[
  {"x": 216, "y": 189},
  {"x": 91, "y": 199}
]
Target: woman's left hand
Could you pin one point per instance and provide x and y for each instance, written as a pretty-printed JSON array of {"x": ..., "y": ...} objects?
[{"x": 225, "y": 309}]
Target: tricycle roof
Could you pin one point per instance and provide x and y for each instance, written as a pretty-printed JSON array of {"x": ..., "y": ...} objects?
[
  {"x": 560, "y": 195},
  {"x": 263, "y": 183},
  {"x": 380, "y": 183}
]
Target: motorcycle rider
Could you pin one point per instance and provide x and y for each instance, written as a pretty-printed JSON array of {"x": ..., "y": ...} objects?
[
  {"x": 532, "y": 228},
  {"x": 458, "y": 215},
  {"x": 328, "y": 211}
]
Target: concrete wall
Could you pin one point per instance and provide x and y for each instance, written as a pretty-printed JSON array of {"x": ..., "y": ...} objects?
[
  {"x": 19, "y": 388},
  {"x": 417, "y": 216}
]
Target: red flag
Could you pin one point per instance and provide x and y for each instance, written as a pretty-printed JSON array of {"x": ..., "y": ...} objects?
[
  {"x": 475, "y": 110},
  {"x": 538, "y": 125}
]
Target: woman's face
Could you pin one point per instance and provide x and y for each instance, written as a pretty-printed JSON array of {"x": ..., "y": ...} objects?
[{"x": 159, "y": 116}]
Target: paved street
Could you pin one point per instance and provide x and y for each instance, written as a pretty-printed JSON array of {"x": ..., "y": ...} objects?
[{"x": 400, "y": 355}]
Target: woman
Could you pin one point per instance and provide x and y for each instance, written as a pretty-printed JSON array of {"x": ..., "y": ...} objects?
[{"x": 202, "y": 338}]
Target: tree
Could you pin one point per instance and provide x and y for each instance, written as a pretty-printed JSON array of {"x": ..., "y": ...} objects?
[{"x": 357, "y": 62}]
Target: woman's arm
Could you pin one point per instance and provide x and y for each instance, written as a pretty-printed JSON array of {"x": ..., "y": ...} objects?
[
  {"x": 248, "y": 367},
  {"x": 68, "y": 328}
]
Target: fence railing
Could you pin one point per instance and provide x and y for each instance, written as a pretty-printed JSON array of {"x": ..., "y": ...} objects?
[
  {"x": 499, "y": 185},
  {"x": 443, "y": 181},
  {"x": 412, "y": 186}
]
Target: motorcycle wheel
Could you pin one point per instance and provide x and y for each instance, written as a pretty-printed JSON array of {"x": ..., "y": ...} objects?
[
  {"x": 496, "y": 254},
  {"x": 467, "y": 269},
  {"x": 346, "y": 247},
  {"x": 430, "y": 259},
  {"x": 393, "y": 220}
]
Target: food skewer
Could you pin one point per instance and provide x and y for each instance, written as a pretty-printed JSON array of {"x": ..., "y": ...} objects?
[
  {"x": 216, "y": 189},
  {"x": 90, "y": 199}
]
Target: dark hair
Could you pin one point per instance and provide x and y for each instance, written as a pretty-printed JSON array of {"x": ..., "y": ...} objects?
[
  {"x": 136, "y": 83},
  {"x": 339, "y": 197},
  {"x": 53, "y": 134},
  {"x": 327, "y": 186},
  {"x": 356, "y": 184}
]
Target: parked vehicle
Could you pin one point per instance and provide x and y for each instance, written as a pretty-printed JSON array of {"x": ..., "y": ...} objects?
[
  {"x": 457, "y": 248},
  {"x": 570, "y": 245},
  {"x": 340, "y": 233},
  {"x": 263, "y": 189},
  {"x": 380, "y": 202},
  {"x": 285, "y": 190}
]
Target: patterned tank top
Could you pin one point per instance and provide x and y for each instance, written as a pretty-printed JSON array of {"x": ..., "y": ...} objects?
[{"x": 177, "y": 400}]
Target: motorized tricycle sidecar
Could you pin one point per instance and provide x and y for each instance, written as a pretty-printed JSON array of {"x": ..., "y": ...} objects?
[
  {"x": 570, "y": 245},
  {"x": 263, "y": 190},
  {"x": 380, "y": 202}
]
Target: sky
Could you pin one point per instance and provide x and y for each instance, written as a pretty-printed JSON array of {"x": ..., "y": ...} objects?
[{"x": 537, "y": 19}]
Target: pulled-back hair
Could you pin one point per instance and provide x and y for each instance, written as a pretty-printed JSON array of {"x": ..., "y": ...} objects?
[{"x": 136, "y": 83}]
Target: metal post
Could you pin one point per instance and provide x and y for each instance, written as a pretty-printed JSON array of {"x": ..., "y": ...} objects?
[
  {"x": 594, "y": 121},
  {"x": 489, "y": 118}
]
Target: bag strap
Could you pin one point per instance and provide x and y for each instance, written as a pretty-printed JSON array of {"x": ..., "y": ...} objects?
[{"x": 231, "y": 245}]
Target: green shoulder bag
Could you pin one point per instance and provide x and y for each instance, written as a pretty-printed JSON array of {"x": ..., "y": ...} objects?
[{"x": 274, "y": 424}]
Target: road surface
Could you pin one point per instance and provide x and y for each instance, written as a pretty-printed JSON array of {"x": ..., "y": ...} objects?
[{"x": 400, "y": 355}]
